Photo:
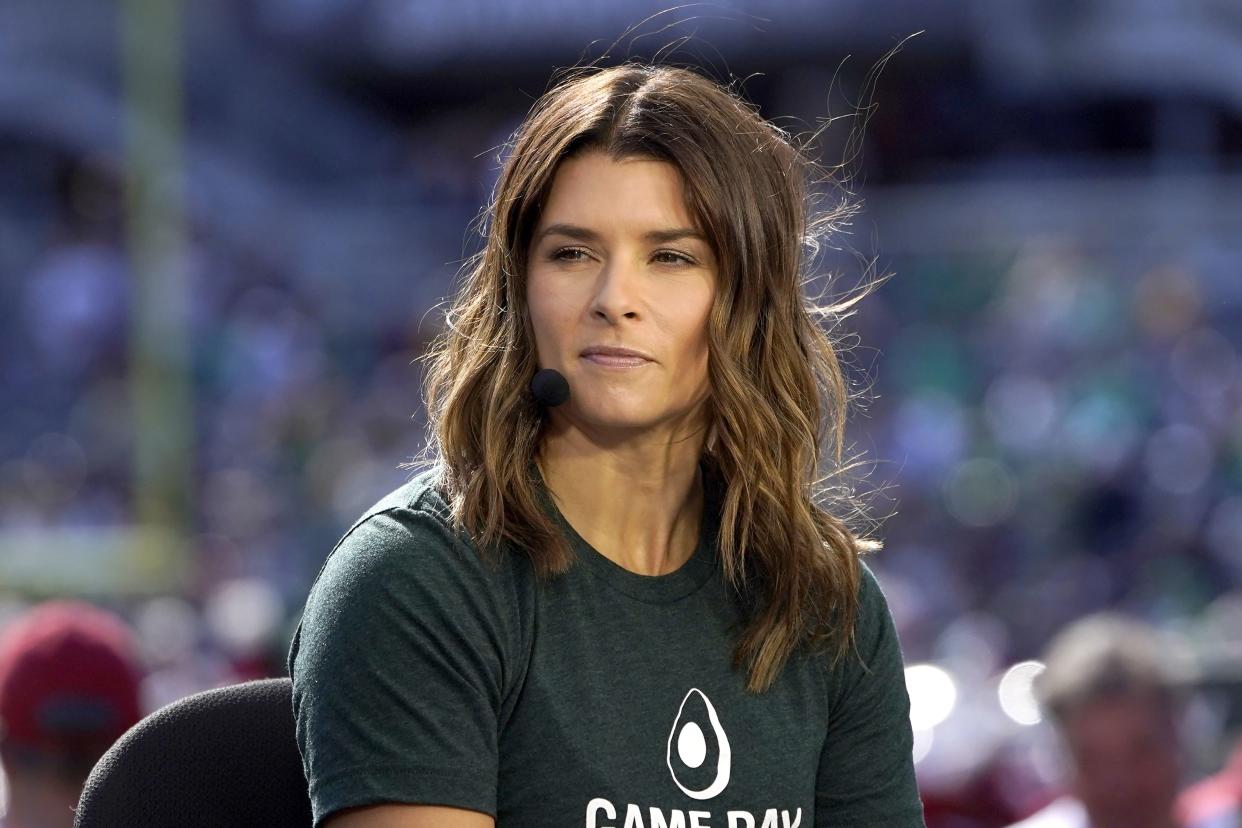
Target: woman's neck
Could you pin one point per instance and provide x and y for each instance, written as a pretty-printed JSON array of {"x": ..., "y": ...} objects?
[{"x": 640, "y": 509}]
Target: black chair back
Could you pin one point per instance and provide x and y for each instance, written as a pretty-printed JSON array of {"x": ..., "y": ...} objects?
[{"x": 222, "y": 757}]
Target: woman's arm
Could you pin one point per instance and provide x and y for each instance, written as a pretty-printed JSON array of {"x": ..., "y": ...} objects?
[
  {"x": 398, "y": 670},
  {"x": 408, "y": 816},
  {"x": 866, "y": 769}
]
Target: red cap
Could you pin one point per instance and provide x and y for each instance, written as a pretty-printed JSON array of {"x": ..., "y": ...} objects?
[{"x": 70, "y": 678}]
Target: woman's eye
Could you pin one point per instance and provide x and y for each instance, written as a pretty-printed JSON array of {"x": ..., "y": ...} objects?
[
  {"x": 678, "y": 258},
  {"x": 562, "y": 254}
]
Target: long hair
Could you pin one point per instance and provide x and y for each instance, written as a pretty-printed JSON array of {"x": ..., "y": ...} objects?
[{"x": 778, "y": 391}]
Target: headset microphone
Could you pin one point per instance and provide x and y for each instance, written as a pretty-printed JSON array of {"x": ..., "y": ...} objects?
[{"x": 549, "y": 387}]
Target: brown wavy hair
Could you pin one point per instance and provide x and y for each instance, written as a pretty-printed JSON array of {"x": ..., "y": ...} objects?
[{"x": 778, "y": 390}]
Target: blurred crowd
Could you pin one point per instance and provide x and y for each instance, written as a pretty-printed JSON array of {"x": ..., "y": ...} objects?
[
  {"x": 1051, "y": 426},
  {"x": 1049, "y": 433}
]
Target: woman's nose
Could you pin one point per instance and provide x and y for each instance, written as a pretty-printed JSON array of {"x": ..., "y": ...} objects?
[{"x": 617, "y": 290}]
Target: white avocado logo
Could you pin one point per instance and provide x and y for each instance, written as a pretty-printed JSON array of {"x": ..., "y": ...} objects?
[{"x": 692, "y": 748}]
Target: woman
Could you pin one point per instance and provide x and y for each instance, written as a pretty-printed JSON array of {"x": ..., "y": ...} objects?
[{"x": 624, "y": 609}]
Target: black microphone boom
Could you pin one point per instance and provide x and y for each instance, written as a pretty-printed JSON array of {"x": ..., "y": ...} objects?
[{"x": 549, "y": 387}]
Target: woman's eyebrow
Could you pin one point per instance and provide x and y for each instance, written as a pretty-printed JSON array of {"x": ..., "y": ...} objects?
[{"x": 573, "y": 231}]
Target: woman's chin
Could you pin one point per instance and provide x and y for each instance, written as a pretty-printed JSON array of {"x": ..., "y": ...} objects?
[
  {"x": 613, "y": 423},
  {"x": 617, "y": 419}
]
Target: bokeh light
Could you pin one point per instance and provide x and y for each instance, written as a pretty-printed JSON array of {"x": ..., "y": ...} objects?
[
  {"x": 1016, "y": 692},
  {"x": 933, "y": 694}
]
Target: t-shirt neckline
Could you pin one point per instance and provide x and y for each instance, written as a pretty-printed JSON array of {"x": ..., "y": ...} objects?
[{"x": 652, "y": 589}]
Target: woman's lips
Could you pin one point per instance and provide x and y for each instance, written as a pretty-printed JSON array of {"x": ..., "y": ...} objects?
[{"x": 609, "y": 361}]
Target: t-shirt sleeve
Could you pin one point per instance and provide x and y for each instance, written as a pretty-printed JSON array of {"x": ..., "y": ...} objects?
[
  {"x": 399, "y": 669},
  {"x": 866, "y": 769}
]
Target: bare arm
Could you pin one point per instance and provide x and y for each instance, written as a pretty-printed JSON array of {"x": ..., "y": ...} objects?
[{"x": 391, "y": 815}]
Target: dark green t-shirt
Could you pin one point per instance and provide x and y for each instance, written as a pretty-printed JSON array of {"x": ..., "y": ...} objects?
[{"x": 601, "y": 698}]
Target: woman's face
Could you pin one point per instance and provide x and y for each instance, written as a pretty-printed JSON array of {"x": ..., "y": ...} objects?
[{"x": 615, "y": 261}]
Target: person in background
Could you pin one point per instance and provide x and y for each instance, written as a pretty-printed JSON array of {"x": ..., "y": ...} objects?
[
  {"x": 1216, "y": 802},
  {"x": 1109, "y": 691},
  {"x": 70, "y": 679}
]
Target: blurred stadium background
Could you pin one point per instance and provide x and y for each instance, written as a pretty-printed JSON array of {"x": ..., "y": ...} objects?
[{"x": 225, "y": 228}]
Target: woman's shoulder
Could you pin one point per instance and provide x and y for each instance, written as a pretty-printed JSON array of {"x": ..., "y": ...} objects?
[
  {"x": 875, "y": 635},
  {"x": 403, "y": 560},
  {"x": 419, "y": 499},
  {"x": 871, "y": 595},
  {"x": 410, "y": 531}
]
